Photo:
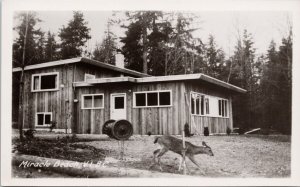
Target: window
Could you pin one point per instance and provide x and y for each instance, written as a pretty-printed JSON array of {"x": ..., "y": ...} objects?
[
  {"x": 92, "y": 101},
  {"x": 205, "y": 105},
  {"x": 223, "y": 107},
  {"x": 88, "y": 77},
  {"x": 43, "y": 119},
  {"x": 119, "y": 102},
  {"x": 44, "y": 82},
  {"x": 199, "y": 104},
  {"x": 152, "y": 99}
]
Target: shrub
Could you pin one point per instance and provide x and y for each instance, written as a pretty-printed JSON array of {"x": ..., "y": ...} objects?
[
  {"x": 228, "y": 131},
  {"x": 29, "y": 134},
  {"x": 53, "y": 124},
  {"x": 206, "y": 131}
]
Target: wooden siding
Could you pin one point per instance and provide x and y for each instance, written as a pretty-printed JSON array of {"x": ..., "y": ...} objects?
[
  {"x": 157, "y": 120},
  {"x": 216, "y": 125},
  {"x": 58, "y": 102}
]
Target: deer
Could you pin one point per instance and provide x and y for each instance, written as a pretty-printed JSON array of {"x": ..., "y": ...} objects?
[{"x": 170, "y": 143}]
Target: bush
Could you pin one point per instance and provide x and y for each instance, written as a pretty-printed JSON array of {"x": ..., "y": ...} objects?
[
  {"x": 228, "y": 131},
  {"x": 241, "y": 130},
  {"x": 206, "y": 131}
]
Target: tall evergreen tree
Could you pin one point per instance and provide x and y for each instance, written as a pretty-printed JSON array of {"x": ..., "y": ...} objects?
[
  {"x": 215, "y": 59},
  {"x": 74, "y": 36},
  {"x": 143, "y": 33},
  {"x": 106, "y": 50},
  {"x": 27, "y": 52},
  {"x": 51, "y": 48},
  {"x": 25, "y": 49}
]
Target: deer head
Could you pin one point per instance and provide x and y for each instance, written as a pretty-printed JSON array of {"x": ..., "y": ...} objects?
[{"x": 206, "y": 149}]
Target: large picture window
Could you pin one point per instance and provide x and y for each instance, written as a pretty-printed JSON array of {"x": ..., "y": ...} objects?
[
  {"x": 205, "y": 105},
  {"x": 152, "y": 99},
  {"x": 44, "y": 82},
  {"x": 92, "y": 101},
  {"x": 43, "y": 119}
]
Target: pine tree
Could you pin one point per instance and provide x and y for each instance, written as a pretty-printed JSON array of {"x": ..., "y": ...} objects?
[
  {"x": 106, "y": 50},
  {"x": 34, "y": 40},
  {"x": 51, "y": 48},
  {"x": 25, "y": 49},
  {"x": 74, "y": 36},
  {"x": 215, "y": 59}
]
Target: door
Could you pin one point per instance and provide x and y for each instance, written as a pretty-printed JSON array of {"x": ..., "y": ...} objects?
[{"x": 118, "y": 106}]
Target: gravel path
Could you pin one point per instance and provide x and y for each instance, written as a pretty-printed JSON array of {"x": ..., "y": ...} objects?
[{"x": 235, "y": 156}]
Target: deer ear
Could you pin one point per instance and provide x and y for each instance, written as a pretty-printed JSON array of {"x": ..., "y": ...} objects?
[{"x": 204, "y": 144}]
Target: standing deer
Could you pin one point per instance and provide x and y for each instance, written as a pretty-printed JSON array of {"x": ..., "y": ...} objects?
[{"x": 174, "y": 144}]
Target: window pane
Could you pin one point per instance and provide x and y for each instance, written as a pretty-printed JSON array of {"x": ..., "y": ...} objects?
[
  {"x": 207, "y": 105},
  {"x": 152, "y": 99},
  {"x": 220, "y": 107},
  {"x": 98, "y": 101},
  {"x": 197, "y": 105},
  {"x": 202, "y": 105},
  {"x": 48, "y": 81},
  {"x": 225, "y": 108},
  {"x": 40, "y": 119},
  {"x": 47, "y": 119},
  {"x": 164, "y": 98},
  {"x": 192, "y": 105},
  {"x": 87, "y": 100},
  {"x": 119, "y": 102},
  {"x": 140, "y": 99},
  {"x": 36, "y": 83}
]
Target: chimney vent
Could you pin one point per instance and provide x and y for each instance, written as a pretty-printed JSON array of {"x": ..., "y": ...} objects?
[{"x": 119, "y": 60}]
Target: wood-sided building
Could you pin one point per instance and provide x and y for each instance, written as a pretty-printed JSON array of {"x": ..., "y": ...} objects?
[{"x": 80, "y": 94}]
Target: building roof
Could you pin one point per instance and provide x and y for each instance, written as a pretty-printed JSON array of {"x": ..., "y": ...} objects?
[
  {"x": 86, "y": 61},
  {"x": 198, "y": 76}
]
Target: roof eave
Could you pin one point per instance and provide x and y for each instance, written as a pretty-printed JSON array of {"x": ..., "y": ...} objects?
[{"x": 222, "y": 83}]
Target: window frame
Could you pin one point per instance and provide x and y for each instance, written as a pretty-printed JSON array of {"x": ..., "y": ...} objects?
[
  {"x": 226, "y": 107},
  {"x": 44, "y": 125},
  {"x": 146, "y": 99},
  {"x": 87, "y": 74},
  {"x": 210, "y": 107},
  {"x": 82, "y": 101},
  {"x": 39, "y": 75}
]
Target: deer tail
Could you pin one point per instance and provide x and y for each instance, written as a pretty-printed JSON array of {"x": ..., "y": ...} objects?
[{"x": 156, "y": 139}]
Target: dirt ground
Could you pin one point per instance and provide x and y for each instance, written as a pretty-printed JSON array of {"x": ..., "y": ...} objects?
[{"x": 235, "y": 156}]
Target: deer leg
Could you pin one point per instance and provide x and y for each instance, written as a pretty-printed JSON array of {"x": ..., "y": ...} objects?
[
  {"x": 159, "y": 155},
  {"x": 194, "y": 161},
  {"x": 180, "y": 163},
  {"x": 155, "y": 153}
]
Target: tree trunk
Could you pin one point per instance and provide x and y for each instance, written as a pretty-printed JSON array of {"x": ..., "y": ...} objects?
[
  {"x": 21, "y": 105},
  {"x": 145, "y": 65},
  {"x": 22, "y": 93}
]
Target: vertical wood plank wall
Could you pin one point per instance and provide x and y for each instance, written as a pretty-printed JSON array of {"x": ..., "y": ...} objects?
[
  {"x": 59, "y": 102},
  {"x": 157, "y": 120}
]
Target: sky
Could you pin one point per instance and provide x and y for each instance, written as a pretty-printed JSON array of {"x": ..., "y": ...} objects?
[{"x": 223, "y": 25}]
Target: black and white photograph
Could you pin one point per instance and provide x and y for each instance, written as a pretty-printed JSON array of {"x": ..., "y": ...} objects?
[{"x": 171, "y": 93}]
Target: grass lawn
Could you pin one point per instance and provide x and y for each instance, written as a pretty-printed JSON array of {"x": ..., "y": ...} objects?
[{"x": 235, "y": 156}]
